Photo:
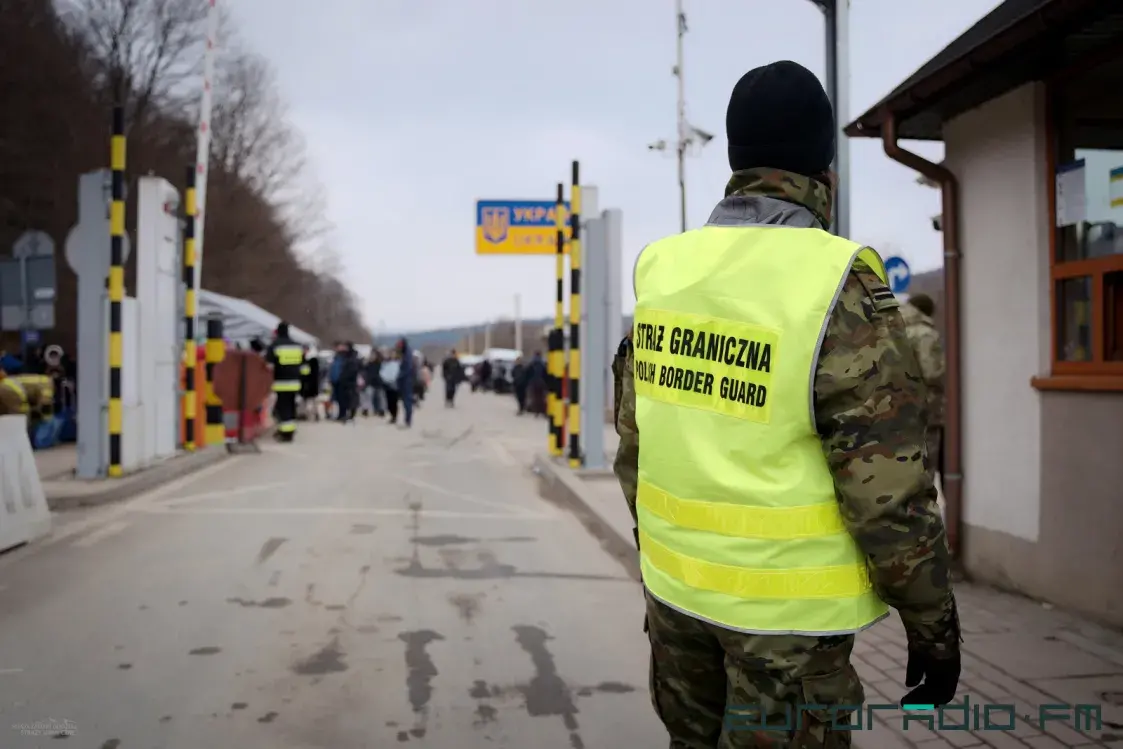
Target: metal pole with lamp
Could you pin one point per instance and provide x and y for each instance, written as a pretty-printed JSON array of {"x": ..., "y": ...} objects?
[
  {"x": 688, "y": 135},
  {"x": 837, "y": 48}
]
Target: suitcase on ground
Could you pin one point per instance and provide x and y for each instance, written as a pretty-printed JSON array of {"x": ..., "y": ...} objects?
[
  {"x": 46, "y": 433},
  {"x": 69, "y": 431}
]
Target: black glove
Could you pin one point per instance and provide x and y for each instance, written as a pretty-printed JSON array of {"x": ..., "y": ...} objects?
[{"x": 940, "y": 677}]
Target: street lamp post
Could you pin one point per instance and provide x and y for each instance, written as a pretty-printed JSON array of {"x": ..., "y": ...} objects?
[
  {"x": 688, "y": 135},
  {"x": 837, "y": 48},
  {"x": 837, "y": 41}
]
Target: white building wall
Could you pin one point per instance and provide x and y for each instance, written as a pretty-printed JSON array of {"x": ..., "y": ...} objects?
[{"x": 997, "y": 153}]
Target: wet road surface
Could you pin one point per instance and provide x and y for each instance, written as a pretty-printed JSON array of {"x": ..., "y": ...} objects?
[{"x": 363, "y": 587}]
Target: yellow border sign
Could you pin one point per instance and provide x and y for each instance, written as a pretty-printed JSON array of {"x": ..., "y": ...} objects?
[{"x": 518, "y": 227}]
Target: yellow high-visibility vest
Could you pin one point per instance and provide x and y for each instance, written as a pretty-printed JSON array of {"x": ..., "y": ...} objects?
[
  {"x": 739, "y": 524},
  {"x": 39, "y": 393},
  {"x": 16, "y": 388}
]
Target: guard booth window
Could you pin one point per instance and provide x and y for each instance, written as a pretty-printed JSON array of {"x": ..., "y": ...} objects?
[{"x": 1086, "y": 270}]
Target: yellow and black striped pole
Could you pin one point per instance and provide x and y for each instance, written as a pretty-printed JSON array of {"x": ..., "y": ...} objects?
[
  {"x": 555, "y": 408},
  {"x": 116, "y": 285},
  {"x": 216, "y": 352},
  {"x": 190, "y": 352},
  {"x": 574, "y": 378}
]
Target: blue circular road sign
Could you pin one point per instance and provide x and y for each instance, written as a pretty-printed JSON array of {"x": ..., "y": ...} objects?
[{"x": 899, "y": 274}]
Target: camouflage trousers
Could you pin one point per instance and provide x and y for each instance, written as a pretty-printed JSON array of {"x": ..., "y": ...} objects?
[{"x": 714, "y": 688}]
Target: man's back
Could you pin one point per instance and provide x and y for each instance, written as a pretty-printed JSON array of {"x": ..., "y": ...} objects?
[{"x": 884, "y": 490}]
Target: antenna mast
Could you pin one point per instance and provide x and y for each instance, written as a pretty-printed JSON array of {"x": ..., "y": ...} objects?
[
  {"x": 688, "y": 135},
  {"x": 683, "y": 133}
]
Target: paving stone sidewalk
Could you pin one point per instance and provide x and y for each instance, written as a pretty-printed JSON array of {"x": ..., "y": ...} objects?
[{"x": 1018, "y": 655}]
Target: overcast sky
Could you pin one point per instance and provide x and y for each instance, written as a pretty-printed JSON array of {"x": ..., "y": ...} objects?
[{"x": 414, "y": 109}]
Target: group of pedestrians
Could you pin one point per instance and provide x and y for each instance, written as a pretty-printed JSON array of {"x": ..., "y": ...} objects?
[
  {"x": 383, "y": 384},
  {"x": 528, "y": 380}
]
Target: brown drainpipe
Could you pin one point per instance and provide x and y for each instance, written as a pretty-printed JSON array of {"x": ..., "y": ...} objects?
[{"x": 953, "y": 423}]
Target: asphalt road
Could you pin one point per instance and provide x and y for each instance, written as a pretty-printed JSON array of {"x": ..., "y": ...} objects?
[{"x": 363, "y": 587}]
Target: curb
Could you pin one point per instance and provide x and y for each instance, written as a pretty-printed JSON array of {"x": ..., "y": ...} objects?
[
  {"x": 144, "y": 480},
  {"x": 561, "y": 486}
]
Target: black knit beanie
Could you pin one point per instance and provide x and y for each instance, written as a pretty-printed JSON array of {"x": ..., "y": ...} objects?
[{"x": 779, "y": 116}]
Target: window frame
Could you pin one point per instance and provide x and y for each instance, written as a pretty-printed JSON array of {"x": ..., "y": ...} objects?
[{"x": 1097, "y": 374}]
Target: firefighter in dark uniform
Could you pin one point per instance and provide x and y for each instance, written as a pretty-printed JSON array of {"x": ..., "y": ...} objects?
[{"x": 287, "y": 357}]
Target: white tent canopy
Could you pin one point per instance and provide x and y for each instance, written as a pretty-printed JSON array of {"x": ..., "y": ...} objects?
[{"x": 243, "y": 321}]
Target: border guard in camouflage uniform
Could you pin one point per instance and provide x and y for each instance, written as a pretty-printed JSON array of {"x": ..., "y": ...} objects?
[
  {"x": 925, "y": 340},
  {"x": 782, "y": 493}
]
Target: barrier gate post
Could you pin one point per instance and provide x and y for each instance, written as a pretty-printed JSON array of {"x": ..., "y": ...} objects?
[
  {"x": 555, "y": 344},
  {"x": 190, "y": 412},
  {"x": 215, "y": 352},
  {"x": 116, "y": 286},
  {"x": 574, "y": 374}
]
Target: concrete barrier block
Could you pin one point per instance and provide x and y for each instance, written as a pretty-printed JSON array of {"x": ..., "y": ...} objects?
[{"x": 24, "y": 515}]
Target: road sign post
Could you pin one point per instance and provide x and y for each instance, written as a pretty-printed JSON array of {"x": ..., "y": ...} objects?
[
  {"x": 540, "y": 227},
  {"x": 27, "y": 287},
  {"x": 898, "y": 274}
]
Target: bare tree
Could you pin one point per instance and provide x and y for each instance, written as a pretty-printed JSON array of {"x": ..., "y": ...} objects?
[
  {"x": 252, "y": 140},
  {"x": 268, "y": 237},
  {"x": 143, "y": 52},
  {"x": 250, "y": 135}
]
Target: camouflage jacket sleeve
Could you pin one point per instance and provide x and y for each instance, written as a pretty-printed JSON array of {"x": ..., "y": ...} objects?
[
  {"x": 930, "y": 355},
  {"x": 871, "y": 414},
  {"x": 626, "y": 465}
]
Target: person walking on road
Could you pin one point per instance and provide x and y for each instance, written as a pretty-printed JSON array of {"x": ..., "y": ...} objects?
[
  {"x": 349, "y": 383},
  {"x": 286, "y": 356},
  {"x": 335, "y": 370},
  {"x": 536, "y": 385},
  {"x": 372, "y": 376},
  {"x": 918, "y": 314},
  {"x": 310, "y": 385},
  {"x": 483, "y": 369},
  {"x": 389, "y": 373},
  {"x": 407, "y": 380},
  {"x": 452, "y": 373},
  {"x": 519, "y": 384},
  {"x": 771, "y": 530}
]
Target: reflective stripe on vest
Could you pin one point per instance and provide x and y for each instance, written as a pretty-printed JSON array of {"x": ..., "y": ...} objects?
[
  {"x": 286, "y": 371},
  {"x": 289, "y": 355},
  {"x": 738, "y": 518}
]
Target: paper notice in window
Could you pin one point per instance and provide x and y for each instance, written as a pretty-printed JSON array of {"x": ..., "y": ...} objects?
[
  {"x": 1072, "y": 202},
  {"x": 1115, "y": 189}
]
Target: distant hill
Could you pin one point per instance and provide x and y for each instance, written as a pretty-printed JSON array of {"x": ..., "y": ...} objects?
[
  {"x": 929, "y": 282},
  {"x": 451, "y": 336}
]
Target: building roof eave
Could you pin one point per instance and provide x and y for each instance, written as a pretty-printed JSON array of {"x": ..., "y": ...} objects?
[{"x": 999, "y": 53}]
